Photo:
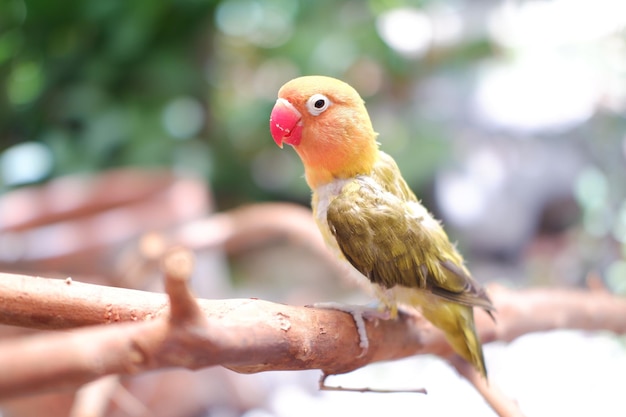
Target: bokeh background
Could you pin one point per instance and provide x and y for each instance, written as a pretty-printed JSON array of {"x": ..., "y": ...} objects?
[{"x": 506, "y": 117}]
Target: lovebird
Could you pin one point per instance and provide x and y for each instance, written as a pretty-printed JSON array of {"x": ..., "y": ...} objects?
[{"x": 369, "y": 216}]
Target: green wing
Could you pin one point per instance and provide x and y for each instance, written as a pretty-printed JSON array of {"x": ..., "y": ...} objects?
[{"x": 393, "y": 241}]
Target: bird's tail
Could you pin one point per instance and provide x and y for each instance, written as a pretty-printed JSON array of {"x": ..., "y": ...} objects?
[{"x": 457, "y": 322}]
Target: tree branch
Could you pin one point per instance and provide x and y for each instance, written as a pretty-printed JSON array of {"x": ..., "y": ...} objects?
[
  {"x": 499, "y": 402},
  {"x": 245, "y": 335},
  {"x": 152, "y": 331}
]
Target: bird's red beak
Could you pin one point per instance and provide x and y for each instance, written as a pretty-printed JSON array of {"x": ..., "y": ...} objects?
[{"x": 285, "y": 123}]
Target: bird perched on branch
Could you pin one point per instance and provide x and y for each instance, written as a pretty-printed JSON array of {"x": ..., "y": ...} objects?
[{"x": 367, "y": 213}]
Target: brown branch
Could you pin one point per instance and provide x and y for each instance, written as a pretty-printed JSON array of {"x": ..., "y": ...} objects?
[
  {"x": 177, "y": 266},
  {"x": 92, "y": 399},
  {"x": 43, "y": 303},
  {"x": 499, "y": 402},
  {"x": 253, "y": 225},
  {"x": 244, "y": 335}
]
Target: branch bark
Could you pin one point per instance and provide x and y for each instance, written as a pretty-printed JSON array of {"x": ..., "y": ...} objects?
[
  {"x": 245, "y": 335},
  {"x": 141, "y": 331}
]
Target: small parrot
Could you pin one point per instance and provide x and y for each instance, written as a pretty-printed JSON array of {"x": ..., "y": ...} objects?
[{"x": 369, "y": 216}]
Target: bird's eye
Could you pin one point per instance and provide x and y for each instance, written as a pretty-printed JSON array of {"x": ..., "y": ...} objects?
[{"x": 317, "y": 104}]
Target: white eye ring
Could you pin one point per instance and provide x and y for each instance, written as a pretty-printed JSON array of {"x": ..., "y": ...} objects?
[{"x": 317, "y": 104}]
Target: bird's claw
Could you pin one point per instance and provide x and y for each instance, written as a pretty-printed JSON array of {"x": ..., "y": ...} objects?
[{"x": 359, "y": 314}]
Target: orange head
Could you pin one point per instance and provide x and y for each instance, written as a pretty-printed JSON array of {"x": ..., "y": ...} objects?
[{"x": 326, "y": 122}]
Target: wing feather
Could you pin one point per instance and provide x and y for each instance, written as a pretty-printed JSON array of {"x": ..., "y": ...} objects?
[{"x": 390, "y": 241}]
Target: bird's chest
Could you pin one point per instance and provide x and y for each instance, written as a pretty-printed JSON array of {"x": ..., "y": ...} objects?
[{"x": 322, "y": 197}]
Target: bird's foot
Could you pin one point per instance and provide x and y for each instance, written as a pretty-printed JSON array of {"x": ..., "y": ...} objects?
[{"x": 360, "y": 313}]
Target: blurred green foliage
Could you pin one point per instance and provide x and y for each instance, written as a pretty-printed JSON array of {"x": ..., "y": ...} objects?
[{"x": 92, "y": 80}]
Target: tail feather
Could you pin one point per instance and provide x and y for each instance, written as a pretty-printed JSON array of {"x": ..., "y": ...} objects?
[
  {"x": 473, "y": 350},
  {"x": 457, "y": 322}
]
